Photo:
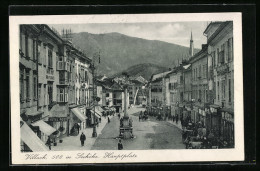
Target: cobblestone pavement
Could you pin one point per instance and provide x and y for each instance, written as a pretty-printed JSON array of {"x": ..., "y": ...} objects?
[{"x": 150, "y": 134}]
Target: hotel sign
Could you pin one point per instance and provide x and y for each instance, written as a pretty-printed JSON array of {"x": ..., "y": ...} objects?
[{"x": 58, "y": 119}]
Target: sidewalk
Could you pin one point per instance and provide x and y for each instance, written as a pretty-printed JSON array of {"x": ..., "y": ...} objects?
[
  {"x": 73, "y": 142},
  {"x": 174, "y": 123}
]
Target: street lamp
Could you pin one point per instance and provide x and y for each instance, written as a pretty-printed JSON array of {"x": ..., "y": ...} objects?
[{"x": 92, "y": 66}]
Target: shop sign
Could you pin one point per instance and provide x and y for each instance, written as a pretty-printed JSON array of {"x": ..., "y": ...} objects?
[
  {"x": 203, "y": 113},
  {"x": 223, "y": 115},
  {"x": 58, "y": 119},
  {"x": 50, "y": 77},
  {"x": 213, "y": 110}
]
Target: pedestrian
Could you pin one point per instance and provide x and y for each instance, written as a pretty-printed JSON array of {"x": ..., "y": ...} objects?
[
  {"x": 78, "y": 127},
  {"x": 82, "y": 138},
  {"x": 118, "y": 115},
  {"x": 108, "y": 119},
  {"x": 173, "y": 118},
  {"x": 48, "y": 142},
  {"x": 139, "y": 118},
  {"x": 120, "y": 145}
]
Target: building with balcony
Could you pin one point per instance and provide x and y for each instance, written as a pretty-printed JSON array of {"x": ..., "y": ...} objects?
[
  {"x": 221, "y": 78},
  {"x": 38, "y": 80},
  {"x": 199, "y": 63}
]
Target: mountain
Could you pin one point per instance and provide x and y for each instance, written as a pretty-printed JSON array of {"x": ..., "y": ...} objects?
[
  {"x": 145, "y": 70},
  {"x": 118, "y": 52}
]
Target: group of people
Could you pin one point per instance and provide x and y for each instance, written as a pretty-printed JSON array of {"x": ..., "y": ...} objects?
[
  {"x": 143, "y": 115},
  {"x": 196, "y": 133}
]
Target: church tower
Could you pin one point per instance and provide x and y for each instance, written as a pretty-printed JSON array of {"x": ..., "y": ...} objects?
[{"x": 191, "y": 46}]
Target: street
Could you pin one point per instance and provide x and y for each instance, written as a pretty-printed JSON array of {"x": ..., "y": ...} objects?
[{"x": 150, "y": 134}]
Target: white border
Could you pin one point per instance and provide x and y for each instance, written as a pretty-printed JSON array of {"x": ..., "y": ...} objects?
[{"x": 236, "y": 154}]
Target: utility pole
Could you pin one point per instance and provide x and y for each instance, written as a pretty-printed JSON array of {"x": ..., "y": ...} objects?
[{"x": 94, "y": 134}]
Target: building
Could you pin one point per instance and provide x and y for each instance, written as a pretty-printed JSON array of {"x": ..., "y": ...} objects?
[
  {"x": 48, "y": 100},
  {"x": 221, "y": 79},
  {"x": 199, "y": 63}
]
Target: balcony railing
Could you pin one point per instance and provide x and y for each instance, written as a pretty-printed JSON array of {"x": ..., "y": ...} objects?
[
  {"x": 50, "y": 71},
  {"x": 222, "y": 69},
  {"x": 62, "y": 66},
  {"x": 63, "y": 81},
  {"x": 62, "y": 97}
]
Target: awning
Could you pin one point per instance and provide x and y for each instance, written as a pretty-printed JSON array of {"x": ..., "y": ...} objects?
[
  {"x": 96, "y": 113},
  {"x": 99, "y": 108},
  {"x": 228, "y": 110},
  {"x": 44, "y": 127},
  {"x": 31, "y": 139},
  {"x": 77, "y": 112}
]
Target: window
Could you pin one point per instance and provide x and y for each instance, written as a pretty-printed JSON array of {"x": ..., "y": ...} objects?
[
  {"x": 181, "y": 79},
  {"x": 34, "y": 49},
  {"x": 223, "y": 89},
  {"x": 206, "y": 95},
  {"x": 200, "y": 71},
  {"x": 213, "y": 58},
  {"x": 229, "y": 90},
  {"x": 50, "y": 63},
  {"x": 50, "y": 91},
  {"x": 26, "y": 46},
  {"x": 230, "y": 49},
  {"x": 107, "y": 94},
  {"x": 86, "y": 76},
  {"x": 21, "y": 84},
  {"x": 218, "y": 90},
  {"x": 27, "y": 85},
  {"x": 39, "y": 91},
  {"x": 35, "y": 86},
  {"x": 217, "y": 57}
]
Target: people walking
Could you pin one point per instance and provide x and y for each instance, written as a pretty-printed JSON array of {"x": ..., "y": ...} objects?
[
  {"x": 120, "y": 145},
  {"x": 177, "y": 118},
  {"x": 82, "y": 138},
  {"x": 108, "y": 119}
]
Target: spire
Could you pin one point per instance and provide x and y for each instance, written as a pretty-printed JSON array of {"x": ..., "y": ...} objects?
[{"x": 191, "y": 45}]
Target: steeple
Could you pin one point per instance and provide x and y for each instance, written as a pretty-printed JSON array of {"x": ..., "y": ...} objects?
[{"x": 191, "y": 46}]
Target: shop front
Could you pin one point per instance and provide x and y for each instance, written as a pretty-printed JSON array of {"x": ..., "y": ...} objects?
[
  {"x": 30, "y": 142},
  {"x": 46, "y": 129},
  {"x": 78, "y": 121},
  {"x": 208, "y": 119},
  {"x": 195, "y": 114},
  {"x": 227, "y": 127},
  {"x": 215, "y": 119},
  {"x": 202, "y": 117}
]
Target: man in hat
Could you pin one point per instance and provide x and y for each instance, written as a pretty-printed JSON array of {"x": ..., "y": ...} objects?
[{"x": 82, "y": 138}]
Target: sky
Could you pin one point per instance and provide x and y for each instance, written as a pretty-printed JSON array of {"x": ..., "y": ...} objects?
[{"x": 171, "y": 32}]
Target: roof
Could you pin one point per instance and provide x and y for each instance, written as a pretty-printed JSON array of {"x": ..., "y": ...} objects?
[
  {"x": 186, "y": 66},
  {"x": 212, "y": 23},
  {"x": 220, "y": 28},
  {"x": 160, "y": 75}
]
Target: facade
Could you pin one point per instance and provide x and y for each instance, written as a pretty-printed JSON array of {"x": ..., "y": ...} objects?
[
  {"x": 199, "y": 63},
  {"x": 221, "y": 78},
  {"x": 48, "y": 100},
  {"x": 187, "y": 76}
]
